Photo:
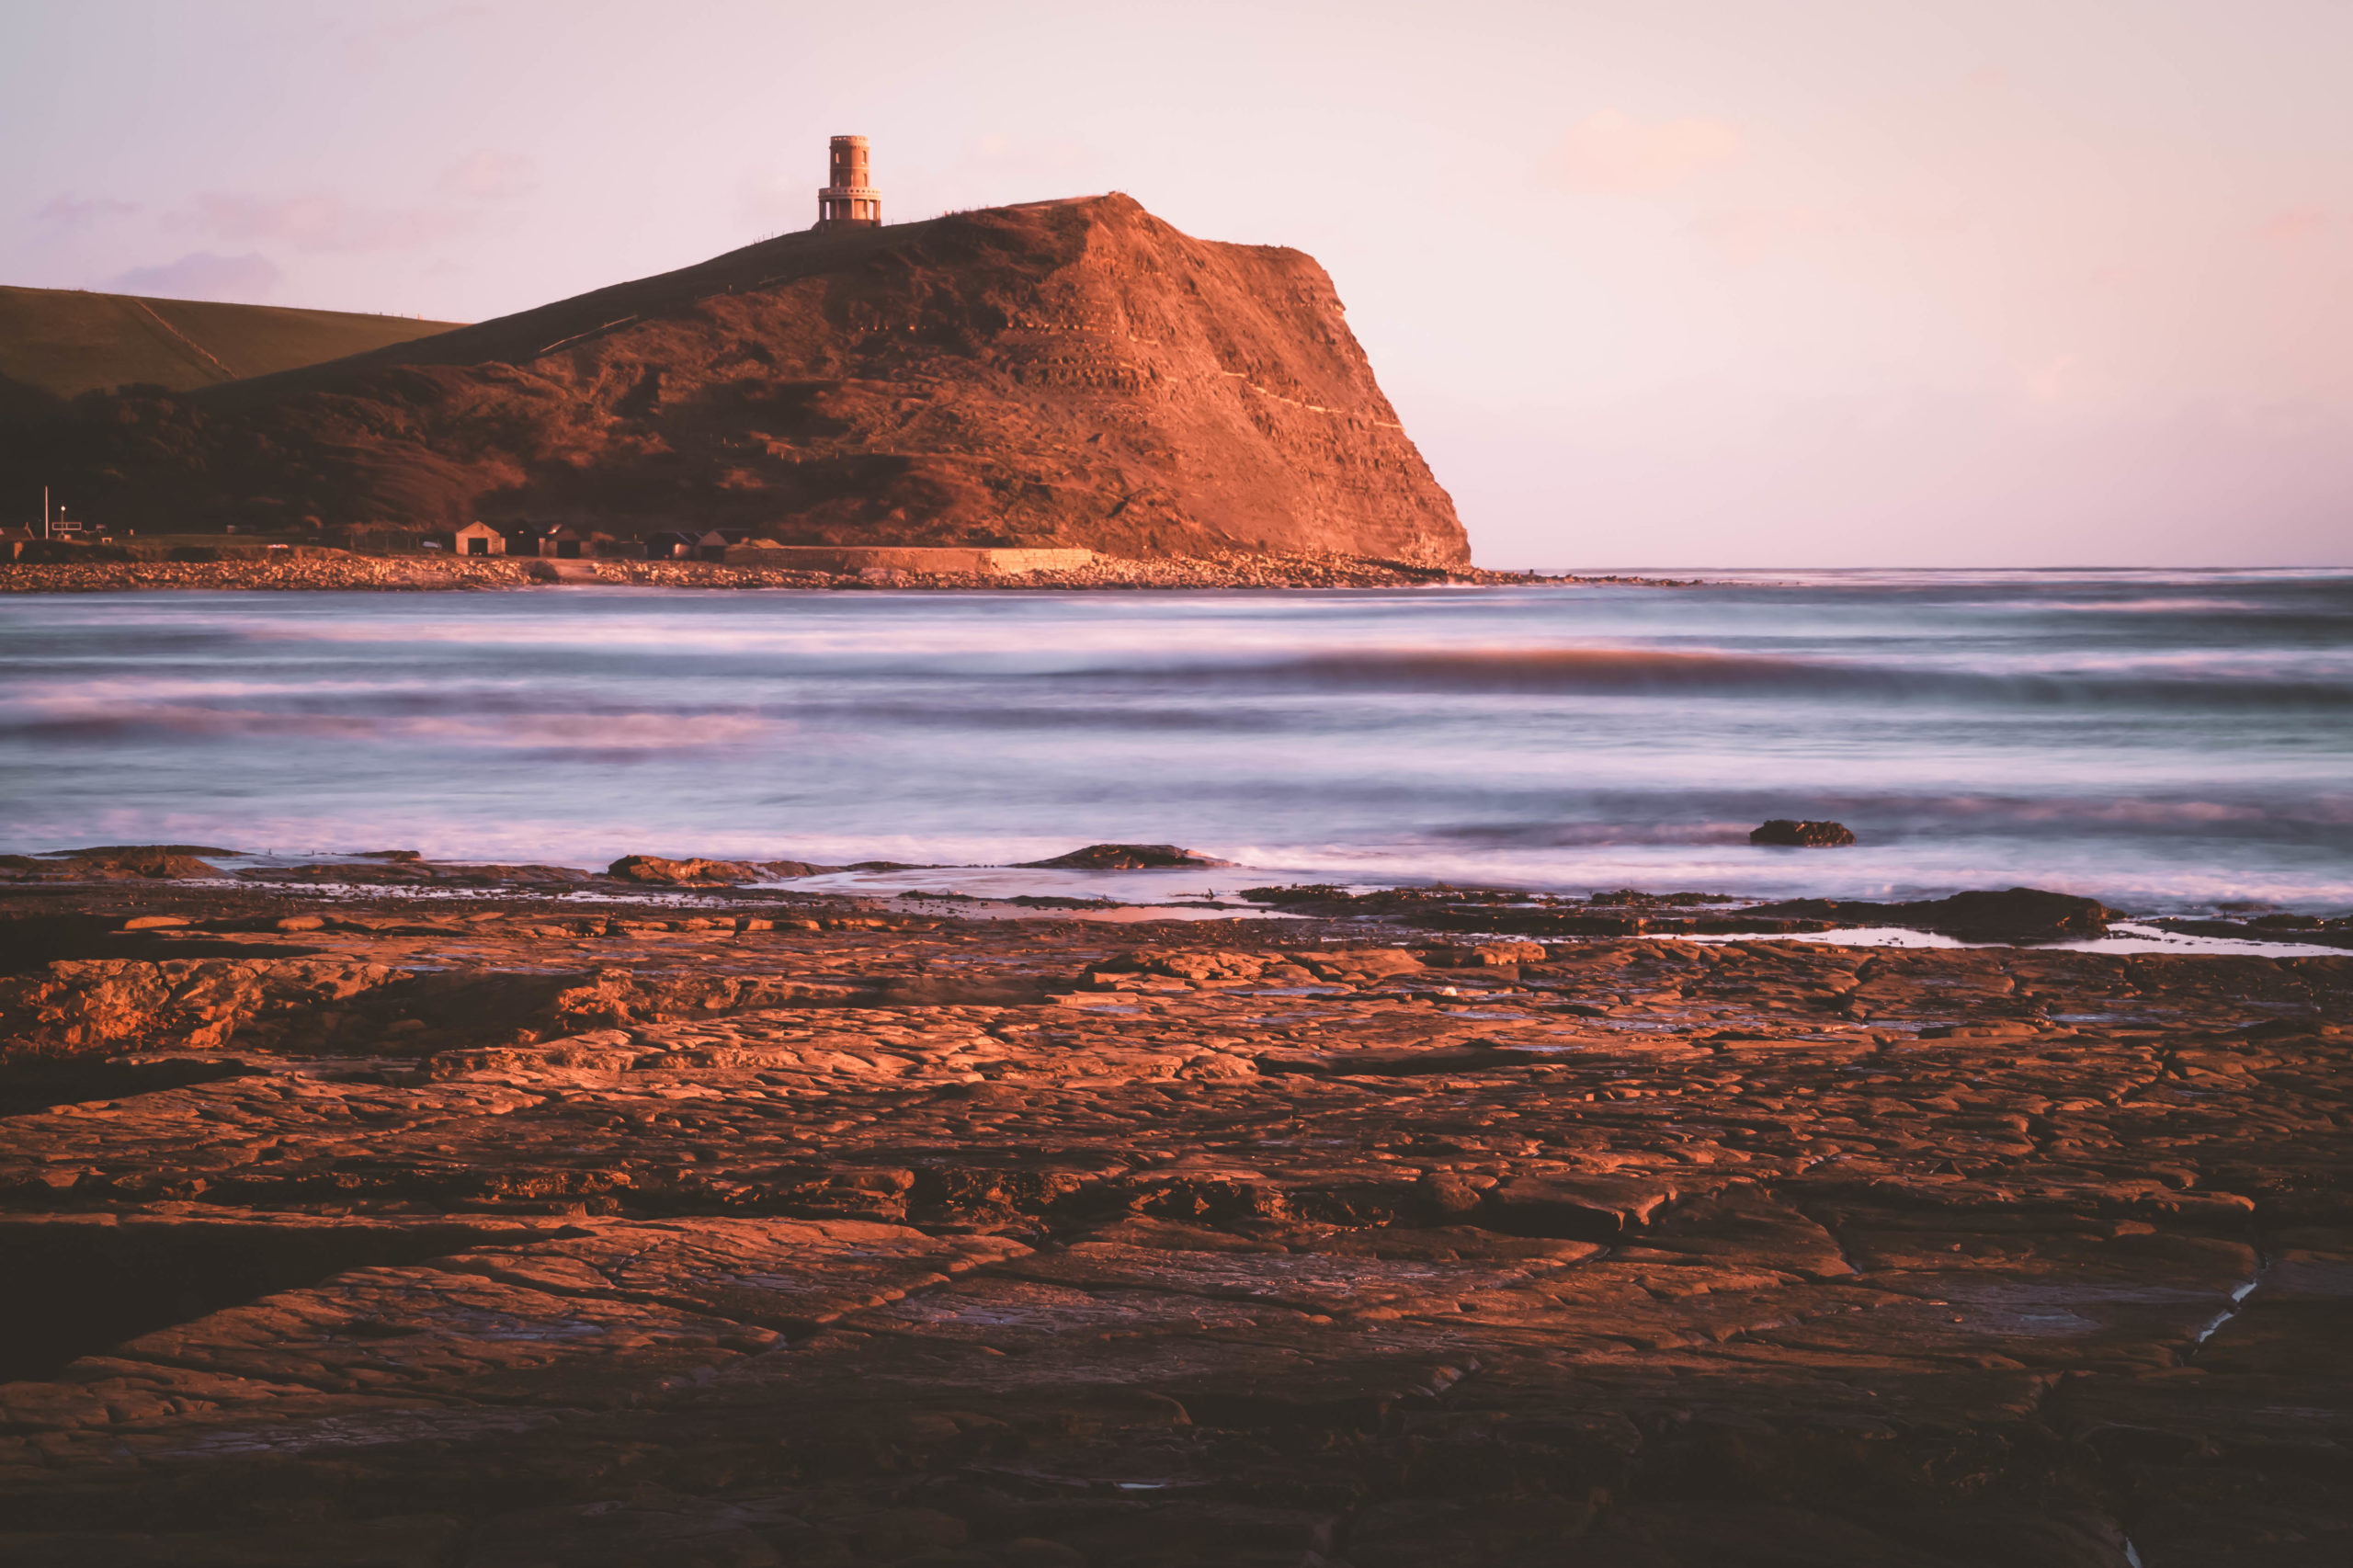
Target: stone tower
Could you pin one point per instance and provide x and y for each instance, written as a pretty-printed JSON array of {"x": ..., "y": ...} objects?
[{"x": 848, "y": 202}]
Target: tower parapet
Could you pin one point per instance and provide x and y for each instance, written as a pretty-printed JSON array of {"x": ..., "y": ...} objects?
[{"x": 849, "y": 200}]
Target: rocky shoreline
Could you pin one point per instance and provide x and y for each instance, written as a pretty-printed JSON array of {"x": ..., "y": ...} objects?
[
  {"x": 495, "y": 1217},
  {"x": 336, "y": 570}
]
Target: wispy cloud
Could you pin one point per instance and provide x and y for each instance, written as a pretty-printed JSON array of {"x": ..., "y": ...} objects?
[
  {"x": 203, "y": 275},
  {"x": 1746, "y": 236},
  {"x": 1609, "y": 152},
  {"x": 323, "y": 222},
  {"x": 77, "y": 212},
  {"x": 370, "y": 47},
  {"x": 2296, "y": 226},
  {"x": 2054, "y": 379},
  {"x": 489, "y": 175}
]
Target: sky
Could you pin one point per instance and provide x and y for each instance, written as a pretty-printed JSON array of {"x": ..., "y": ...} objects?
[{"x": 1659, "y": 283}]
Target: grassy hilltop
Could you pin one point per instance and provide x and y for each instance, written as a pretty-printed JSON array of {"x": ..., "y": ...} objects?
[{"x": 59, "y": 343}]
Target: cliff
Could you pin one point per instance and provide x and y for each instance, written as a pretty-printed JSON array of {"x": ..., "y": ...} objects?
[{"x": 1062, "y": 373}]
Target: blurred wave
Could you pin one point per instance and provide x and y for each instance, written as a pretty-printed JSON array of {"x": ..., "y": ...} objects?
[
  {"x": 2149, "y": 737},
  {"x": 1616, "y": 671}
]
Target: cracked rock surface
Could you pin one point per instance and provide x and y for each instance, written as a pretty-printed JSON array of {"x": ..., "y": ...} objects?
[{"x": 503, "y": 1235}]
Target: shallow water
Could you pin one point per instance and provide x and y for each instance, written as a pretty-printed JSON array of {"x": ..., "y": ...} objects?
[{"x": 2166, "y": 741}]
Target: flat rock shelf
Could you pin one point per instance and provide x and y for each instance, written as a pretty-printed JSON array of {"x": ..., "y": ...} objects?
[{"x": 494, "y": 1231}]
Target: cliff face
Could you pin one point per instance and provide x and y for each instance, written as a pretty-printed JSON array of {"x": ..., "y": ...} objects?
[{"x": 1070, "y": 372}]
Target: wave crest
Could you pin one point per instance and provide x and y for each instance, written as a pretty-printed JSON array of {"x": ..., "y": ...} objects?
[{"x": 1615, "y": 671}]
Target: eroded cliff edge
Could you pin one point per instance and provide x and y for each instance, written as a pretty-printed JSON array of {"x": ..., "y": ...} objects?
[{"x": 1067, "y": 372}]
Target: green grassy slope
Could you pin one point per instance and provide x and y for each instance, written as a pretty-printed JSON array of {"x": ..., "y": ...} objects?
[{"x": 58, "y": 343}]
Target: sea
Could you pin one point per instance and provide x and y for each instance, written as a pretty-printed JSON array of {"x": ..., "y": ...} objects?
[{"x": 2167, "y": 741}]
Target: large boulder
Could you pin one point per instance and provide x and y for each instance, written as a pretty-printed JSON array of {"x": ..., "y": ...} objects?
[
  {"x": 1783, "y": 833},
  {"x": 782, "y": 870},
  {"x": 1123, "y": 857},
  {"x": 2019, "y": 914},
  {"x": 2011, "y": 914},
  {"x": 653, "y": 870}
]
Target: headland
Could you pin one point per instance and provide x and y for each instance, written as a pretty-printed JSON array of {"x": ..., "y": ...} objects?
[{"x": 1060, "y": 375}]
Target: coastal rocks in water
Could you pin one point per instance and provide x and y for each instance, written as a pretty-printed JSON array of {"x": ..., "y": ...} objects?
[
  {"x": 1122, "y": 857},
  {"x": 374, "y": 872},
  {"x": 1783, "y": 833},
  {"x": 150, "y": 864},
  {"x": 698, "y": 873},
  {"x": 1622, "y": 912},
  {"x": 2019, "y": 915},
  {"x": 113, "y": 862},
  {"x": 2309, "y": 928},
  {"x": 135, "y": 851},
  {"x": 2014, "y": 914}
]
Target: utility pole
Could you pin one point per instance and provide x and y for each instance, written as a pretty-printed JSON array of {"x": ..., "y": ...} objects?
[{"x": 44, "y": 511}]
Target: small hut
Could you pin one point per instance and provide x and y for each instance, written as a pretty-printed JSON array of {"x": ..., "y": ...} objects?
[
  {"x": 559, "y": 539},
  {"x": 478, "y": 539},
  {"x": 716, "y": 544},
  {"x": 671, "y": 544},
  {"x": 564, "y": 541}
]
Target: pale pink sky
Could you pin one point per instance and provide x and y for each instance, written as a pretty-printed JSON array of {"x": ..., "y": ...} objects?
[{"x": 1720, "y": 282}]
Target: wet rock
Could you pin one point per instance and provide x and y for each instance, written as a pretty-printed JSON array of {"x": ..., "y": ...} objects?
[
  {"x": 406, "y": 872},
  {"x": 2300, "y": 928},
  {"x": 116, "y": 851},
  {"x": 1123, "y": 857},
  {"x": 157, "y": 862},
  {"x": 2013, "y": 914},
  {"x": 837, "y": 1236},
  {"x": 2017, "y": 915},
  {"x": 1487, "y": 955},
  {"x": 1575, "y": 1208},
  {"x": 657, "y": 871},
  {"x": 377, "y": 873},
  {"x": 1783, "y": 832},
  {"x": 784, "y": 870},
  {"x": 83, "y": 1006},
  {"x": 1624, "y": 912}
]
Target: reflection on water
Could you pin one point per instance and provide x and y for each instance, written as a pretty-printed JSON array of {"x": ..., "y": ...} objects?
[{"x": 2166, "y": 740}]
